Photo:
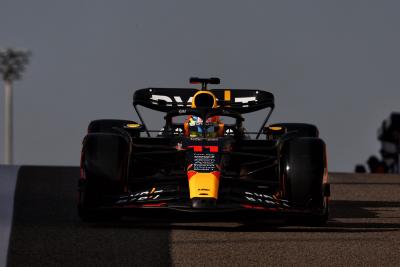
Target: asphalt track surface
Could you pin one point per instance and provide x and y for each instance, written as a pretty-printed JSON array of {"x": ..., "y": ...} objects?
[{"x": 364, "y": 230}]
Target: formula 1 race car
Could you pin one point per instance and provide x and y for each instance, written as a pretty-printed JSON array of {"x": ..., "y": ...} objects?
[{"x": 203, "y": 160}]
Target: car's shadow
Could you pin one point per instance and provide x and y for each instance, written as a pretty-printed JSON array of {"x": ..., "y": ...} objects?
[
  {"x": 346, "y": 216},
  {"x": 351, "y": 209}
]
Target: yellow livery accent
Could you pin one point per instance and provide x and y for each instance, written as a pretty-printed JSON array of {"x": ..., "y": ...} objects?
[
  {"x": 214, "y": 99},
  {"x": 204, "y": 185},
  {"x": 133, "y": 125},
  {"x": 275, "y": 128},
  {"x": 227, "y": 95}
]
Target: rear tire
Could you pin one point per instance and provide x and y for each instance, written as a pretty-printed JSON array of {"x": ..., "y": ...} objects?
[{"x": 303, "y": 168}]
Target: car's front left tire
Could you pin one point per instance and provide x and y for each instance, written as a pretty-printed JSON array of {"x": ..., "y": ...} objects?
[{"x": 303, "y": 168}]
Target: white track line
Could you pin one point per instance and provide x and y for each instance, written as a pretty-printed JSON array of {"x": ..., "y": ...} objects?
[{"x": 8, "y": 179}]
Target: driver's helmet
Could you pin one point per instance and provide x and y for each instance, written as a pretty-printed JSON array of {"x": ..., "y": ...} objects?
[{"x": 213, "y": 127}]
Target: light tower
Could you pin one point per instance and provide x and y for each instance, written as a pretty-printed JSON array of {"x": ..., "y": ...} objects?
[{"x": 12, "y": 64}]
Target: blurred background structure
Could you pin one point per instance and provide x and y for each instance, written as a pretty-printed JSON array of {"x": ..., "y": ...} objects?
[
  {"x": 12, "y": 64},
  {"x": 331, "y": 63},
  {"x": 389, "y": 138}
]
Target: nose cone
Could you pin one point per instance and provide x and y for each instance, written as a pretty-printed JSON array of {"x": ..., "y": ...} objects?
[
  {"x": 204, "y": 203},
  {"x": 203, "y": 185}
]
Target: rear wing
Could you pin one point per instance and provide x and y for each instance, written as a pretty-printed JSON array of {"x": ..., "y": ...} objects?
[{"x": 168, "y": 99}]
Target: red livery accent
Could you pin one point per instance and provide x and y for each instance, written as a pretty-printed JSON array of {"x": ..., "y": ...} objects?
[
  {"x": 216, "y": 174},
  {"x": 190, "y": 174},
  {"x": 162, "y": 204},
  {"x": 260, "y": 207},
  {"x": 213, "y": 149},
  {"x": 253, "y": 207},
  {"x": 197, "y": 149}
]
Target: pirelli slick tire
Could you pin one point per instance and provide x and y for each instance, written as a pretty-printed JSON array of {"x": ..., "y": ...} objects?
[
  {"x": 90, "y": 197},
  {"x": 107, "y": 126},
  {"x": 104, "y": 166},
  {"x": 303, "y": 166}
]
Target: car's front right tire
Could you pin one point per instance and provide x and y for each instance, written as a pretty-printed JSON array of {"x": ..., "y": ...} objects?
[{"x": 104, "y": 164}]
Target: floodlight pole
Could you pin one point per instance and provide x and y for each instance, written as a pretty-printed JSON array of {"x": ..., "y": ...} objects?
[
  {"x": 12, "y": 64},
  {"x": 8, "y": 122}
]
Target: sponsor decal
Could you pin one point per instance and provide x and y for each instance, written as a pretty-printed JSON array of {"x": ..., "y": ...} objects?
[
  {"x": 187, "y": 102},
  {"x": 265, "y": 199},
  {"x": 151, "y": 194}
]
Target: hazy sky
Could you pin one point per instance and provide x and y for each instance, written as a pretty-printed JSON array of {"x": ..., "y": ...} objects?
[{"x": 332, "y": 63}]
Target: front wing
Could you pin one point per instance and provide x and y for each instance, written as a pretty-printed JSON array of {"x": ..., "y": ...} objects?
[{"x": 235, "y": 197}]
